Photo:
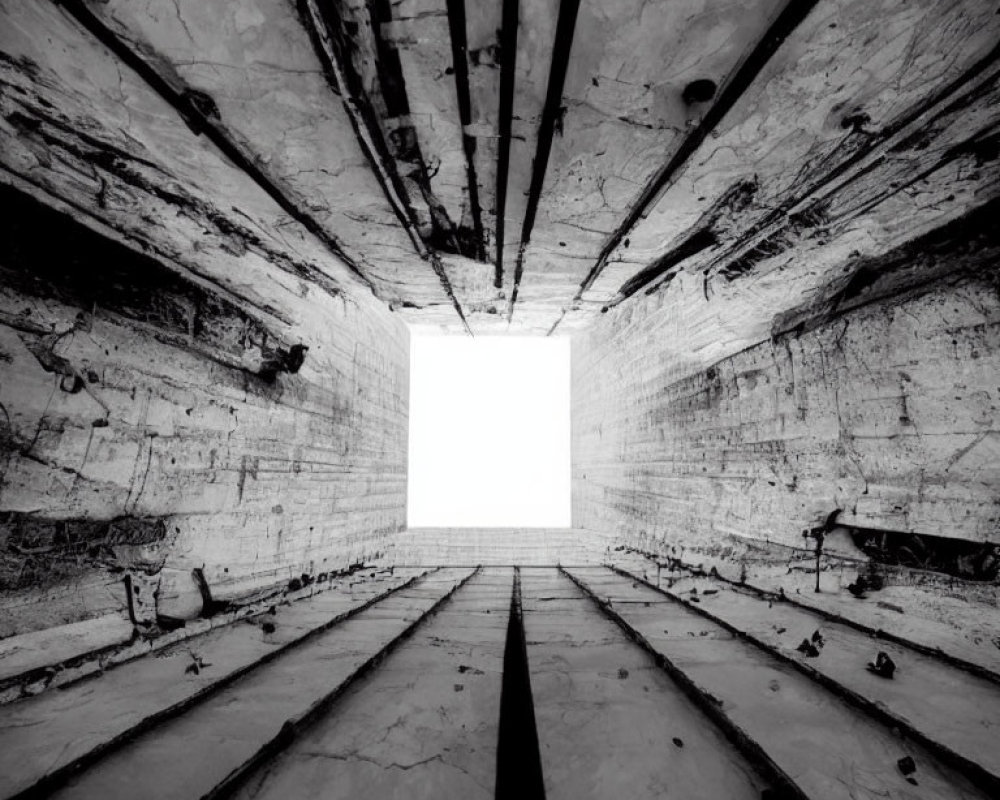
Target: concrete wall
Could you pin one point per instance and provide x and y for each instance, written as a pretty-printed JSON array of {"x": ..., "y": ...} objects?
[
  {"x": 126, "y": 449},
  {"x": 888, "y": 412},
  {"x": 506, "y": 546},
  {"x": 156, "y": 414}
]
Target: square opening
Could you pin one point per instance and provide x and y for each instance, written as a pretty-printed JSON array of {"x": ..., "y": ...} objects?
[{"x": 489, "y": 438}]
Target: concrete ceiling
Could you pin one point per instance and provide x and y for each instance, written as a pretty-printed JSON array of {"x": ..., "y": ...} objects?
[{"x": 511, "y": 166}]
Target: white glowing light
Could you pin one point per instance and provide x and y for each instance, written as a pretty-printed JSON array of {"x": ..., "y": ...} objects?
[{"x": 489, "y": 432}]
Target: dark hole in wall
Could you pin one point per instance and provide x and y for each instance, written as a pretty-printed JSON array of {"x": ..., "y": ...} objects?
[
  {"x": 38, "y": 552},
  {"x": 699, "y": 91},
  {"x": 973, "y": 561},
  {"x": 519, "y": 764},
  {"x": 48, "y": 254},
  {"x": 459, "y": 240}
]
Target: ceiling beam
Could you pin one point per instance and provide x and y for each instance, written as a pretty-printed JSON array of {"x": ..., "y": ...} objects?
[
  {"x": 787, "y": 21},
  {"x": 325, "y": 29},
  {"x": 460, "y": 65},
  {"x": 873, "y": 174},
  {"x": 508, "y": 65},
  {"x": 198, "y": 112},
  {"x": 551, "y": 114}
]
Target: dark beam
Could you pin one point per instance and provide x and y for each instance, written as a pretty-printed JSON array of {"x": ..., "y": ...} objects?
[
  {"x": 666, "y": 264},
  {"x": 404, "y": 142},
  {"x": 460, "y": 65},
  {"x": 508, "y": 65},
  {"x": 551, "y": 113}
]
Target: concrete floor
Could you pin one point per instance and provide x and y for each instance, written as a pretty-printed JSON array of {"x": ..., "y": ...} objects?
[{"x": 395, "y": 686}]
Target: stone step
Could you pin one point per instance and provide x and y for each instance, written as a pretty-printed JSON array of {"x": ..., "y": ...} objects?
[
  {"x": 926, "y": 697},
  {"x": 953, "y": 619},
  {"x": 423, "y": 725},
  {"x": 610, "y": 722},
  {"x": 827, "y": 747},
  {"x": 46, "y": 739},
  {"x": 55, "y": 657}
]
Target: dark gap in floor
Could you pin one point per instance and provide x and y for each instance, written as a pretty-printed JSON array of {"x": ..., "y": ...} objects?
[{"x": 519, "y": 763}]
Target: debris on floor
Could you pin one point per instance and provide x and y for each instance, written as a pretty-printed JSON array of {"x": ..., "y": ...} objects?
[{"x": 883, "y": 666}]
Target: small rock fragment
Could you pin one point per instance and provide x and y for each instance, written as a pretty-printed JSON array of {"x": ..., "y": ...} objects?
[
  {"x": 808, "y": 648},
  {"x": 196, "y": 666},
  {"x": 678, "y": 741},
  {"x": 883, "y": 666},
  {"x": 907, "y": 765},
  {"x": 622, "y": 673}
]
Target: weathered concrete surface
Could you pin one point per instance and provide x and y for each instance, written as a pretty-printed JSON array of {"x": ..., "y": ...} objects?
[
  {"x": 423, "y": 726},
  {"x": 82, "y": 128},
  {"x": 44, "y": 734},
  {"x": 54, "y": 657},
  {"x": 254, "y": 484},
  {"x": 176, "y": 416},
  {"x": 255, "y": 64},
  {"x": 828, "y": 748},
  {"x": 794, "y": 246},
  {"x": 780, "y": 195},
  {"x": 622, "y": 115},
  {"x": 610, "y": 722},
  {"x": 115, "y": 411},
  {"x": 655, "y": 146},
  {"x": 933, "y": 612},
  {"x": 888, "y": 413},
  {"x": 927, "y": 695}
]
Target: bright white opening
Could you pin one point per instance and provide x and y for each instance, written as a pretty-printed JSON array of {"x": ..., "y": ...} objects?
[{"x": 489, "y": 432}]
